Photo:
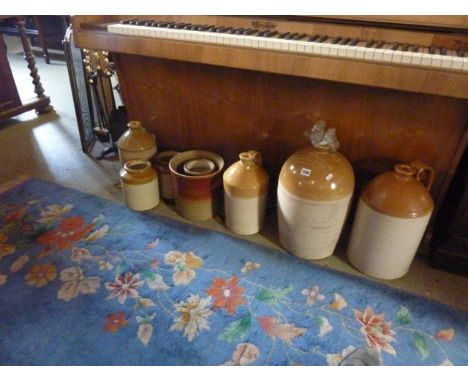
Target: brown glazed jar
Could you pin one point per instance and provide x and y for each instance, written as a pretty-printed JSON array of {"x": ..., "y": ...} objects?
[
  {"x": 393, "y": 212},
  {"x": 136, "y": 143},
  {"x": 139, "y": 185},
  {"x": 245, "y": 194},
  {"x": 195, "y": 177},
  {"x": 314, "y": 192},
  {"x": 161, "y": 164}
]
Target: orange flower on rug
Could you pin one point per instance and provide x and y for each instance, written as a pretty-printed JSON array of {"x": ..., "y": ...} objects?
[
  {"x": 68, "y": 232},
  {"x": 227, "y": 294},
  {"x": 115, "y": 322},
  {"x": 40, "y": 275}
]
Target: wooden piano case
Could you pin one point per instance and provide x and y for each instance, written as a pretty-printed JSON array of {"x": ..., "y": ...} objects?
[{"x": 229, "y": 99}]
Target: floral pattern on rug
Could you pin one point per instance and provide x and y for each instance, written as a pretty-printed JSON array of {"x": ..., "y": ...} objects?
[{"x": 86, "y": 281}]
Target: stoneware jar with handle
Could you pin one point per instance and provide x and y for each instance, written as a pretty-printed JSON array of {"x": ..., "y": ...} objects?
[
  {"x": 136, "y": 143},
  {"x": 314, "y": 192},
  {"x": 139, "y": 185},
  {"x": 245, "y": 194},
  {"x": 393, "y": 212}
]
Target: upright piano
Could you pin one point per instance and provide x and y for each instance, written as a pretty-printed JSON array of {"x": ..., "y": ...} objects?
[{"x": 394, "y": 87}]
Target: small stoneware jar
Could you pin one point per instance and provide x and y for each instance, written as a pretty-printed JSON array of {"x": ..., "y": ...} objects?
[
  {"x": 139, "y": 185},
  {"x": 196, "y": 176},
  {"x": 393, "y": 212},
  {"x": 136, "y": 143},
  {"x": 314, "y": 192},
  {"x": 245, "y": 194},
  {"x": 161, "y": 163}
]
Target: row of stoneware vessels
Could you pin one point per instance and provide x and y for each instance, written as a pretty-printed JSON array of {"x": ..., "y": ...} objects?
[{"x": 314, "y": 192}]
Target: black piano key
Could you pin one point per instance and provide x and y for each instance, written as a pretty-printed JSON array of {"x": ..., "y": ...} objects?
[
  {"x": 353, "y": 42},
  {"x": 432, "y": 50},
  {"x": 379, "y": 44},
  {"x": 290, "y": 36},
  {"x": 395, "y": 46},
  {"x": 415, "y": 48},
  {"x": 212, "y": 29},
  {"x": 204, "y": 27},
  {"x": 336, "y": 40},
  {"x": 300, "y": 36},
  {"x": 262, "y": 32},
  {"x": 163, "y": 24},
  {"x": 284, "y": 35},
  {"x": 270, "y": 34},
  {"x": 369, "y": 44},
  {"x": 234, "y": 31},
  {"x": 404, "y": 47},
  {"x": 250, "y": 32},
  {"x": 322, "y": 39},
  {"x": 443, "y": 51},
  {"x": 313, "y": 38},
  {"x": 223, "y": 29},
  {"x": 241, "y": 31},
  {"x": 460, "y": 53},
  {"x": 127, "y": 21},
  {"x": 345, "y": 41}
]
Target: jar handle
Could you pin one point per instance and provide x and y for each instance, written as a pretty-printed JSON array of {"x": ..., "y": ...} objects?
[{"x": 424, "y": 174}]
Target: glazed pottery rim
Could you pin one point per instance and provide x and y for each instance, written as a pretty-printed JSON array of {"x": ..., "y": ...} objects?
[
  {"x": 136, "y": 162},
  {"x": 196, "y": 154},
  {"x": 158, "y": 158},
  {"x": 210, "y": 166}
]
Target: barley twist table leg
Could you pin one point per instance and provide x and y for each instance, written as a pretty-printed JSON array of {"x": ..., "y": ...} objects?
[{"x": 31, "y": 60}]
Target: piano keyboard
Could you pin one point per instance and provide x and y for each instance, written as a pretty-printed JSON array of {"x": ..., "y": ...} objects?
[{"x": 377, "y": 51}]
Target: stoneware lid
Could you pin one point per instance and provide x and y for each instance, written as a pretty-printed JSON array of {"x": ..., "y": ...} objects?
[
  {"x": 246, "y": 178},
  {"x": 317, "y": 173},
  {"x": 398, "y": 193},
  {"x": 136, "y": 138}
]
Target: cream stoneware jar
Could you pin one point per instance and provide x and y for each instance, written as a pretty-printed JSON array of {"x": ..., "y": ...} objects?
[
  {"x": 139, "y": 185},
  {"x": 245, "y": 194},
  {"x": 136, "y": 143},
  {"x": 314, "y": 192},
  {"x": 393, "y": 212}
]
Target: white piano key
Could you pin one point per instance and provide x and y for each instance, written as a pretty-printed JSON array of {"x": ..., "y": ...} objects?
[
  {"x": 387, "y": 53},
  {"x": 436, "y": 60},
  {"x": 351, "y": 51},
  {"x": 333, "y": 50},
  {"x": 465, "y": 63},
  {"x": 397, "y": 56},
  {"x": 342, "y": 50},
  {"x": 369, "y": 53},
  {"x": 293, "y": 46},
  {"x": 317, "y": 47},
  {"x": 426, "y": 57},
  {"x": 325, "y": 47},
  {"x": 301, "y": 46},
  {"x": 457, "y": 62},
  {"x": 447, "y": 61},
  {"x": 378, "y": 54},
  {"x": 406, "y": 57}
]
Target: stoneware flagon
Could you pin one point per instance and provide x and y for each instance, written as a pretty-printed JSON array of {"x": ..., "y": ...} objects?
[
  {"x": 161, "y": 164},
  {"x": 314, "y": 192},
  {"x": 392, "y": 215},
  {"x": 139, "y": 185},
  {"x": 195, "y": 191},
  {"x": 136, "y": 143},
  {"x": 245, "y": 194}
]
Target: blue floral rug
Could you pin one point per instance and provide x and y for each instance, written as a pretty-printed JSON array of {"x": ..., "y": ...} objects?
[{"x": 84, "y": 281}]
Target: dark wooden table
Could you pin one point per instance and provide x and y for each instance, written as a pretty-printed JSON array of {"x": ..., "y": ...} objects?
[{"x": 10, "y": 102}]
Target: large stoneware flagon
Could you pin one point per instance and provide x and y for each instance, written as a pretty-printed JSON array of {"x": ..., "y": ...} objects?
[
  {"x": 393, "y": 212},
  {"x": 314, "y": 192}
]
